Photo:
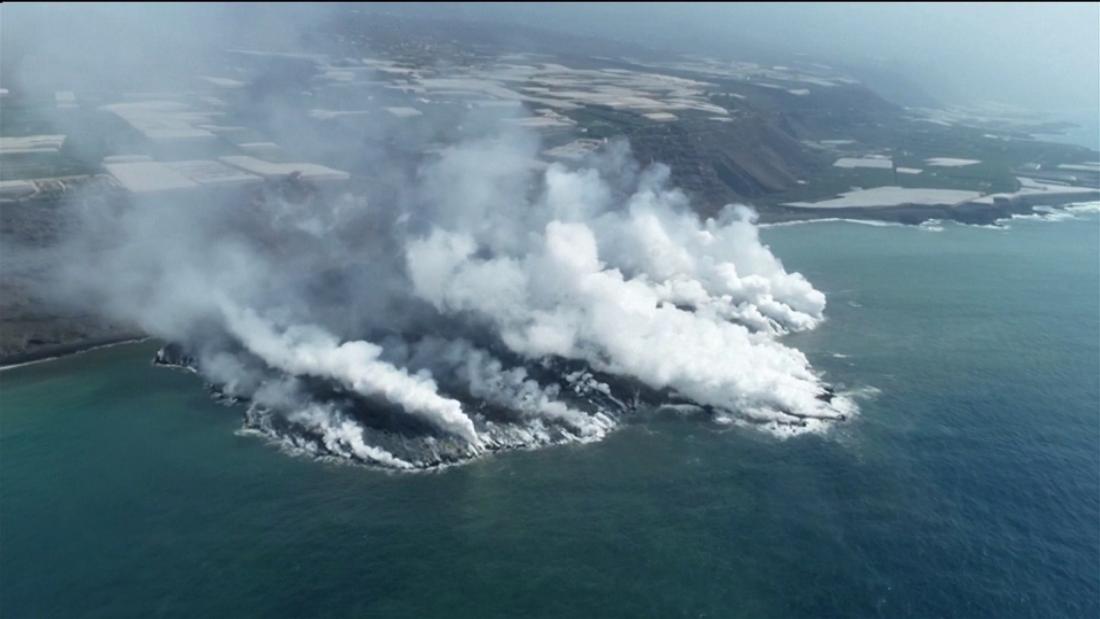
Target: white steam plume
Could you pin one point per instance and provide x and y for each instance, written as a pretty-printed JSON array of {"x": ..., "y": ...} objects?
[
  {"x": 471, "y": 316},
  {"x": 337, "y": 434},
  {"x": 309, "y": 350},
  {"x": 441, "y": 304},
  {"x": 605, "y": 285},
  {"x": 485, "y": 378}
]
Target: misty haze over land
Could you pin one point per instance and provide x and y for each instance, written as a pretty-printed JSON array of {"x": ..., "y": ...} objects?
[
  {"x": 549, "y": 310},
  {"x": 1040, "y": 56},
  {"x": 411, "y": 235}
]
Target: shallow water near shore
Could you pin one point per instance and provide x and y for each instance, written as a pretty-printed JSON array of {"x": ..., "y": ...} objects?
[{"x": 969, "y": 484}]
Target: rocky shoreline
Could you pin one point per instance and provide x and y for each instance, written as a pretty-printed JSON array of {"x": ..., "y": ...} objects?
[
  {"x": 64, "y": 349},
  {"x": 970, "y": 213}
]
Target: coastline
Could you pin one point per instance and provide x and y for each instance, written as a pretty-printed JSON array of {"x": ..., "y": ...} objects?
[
  {"x": 57, "y": 351},
  {"x": 905, "y": 215},
  {"x": 970, "y": 213}
]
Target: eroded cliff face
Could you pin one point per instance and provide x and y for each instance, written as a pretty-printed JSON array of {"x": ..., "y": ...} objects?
[
  {"x": 760, "y": 148},
  {"x": 725, "y": 162}
]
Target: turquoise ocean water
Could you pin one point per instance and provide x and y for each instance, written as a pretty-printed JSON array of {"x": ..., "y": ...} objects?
[{"x": 969, "y": 485}]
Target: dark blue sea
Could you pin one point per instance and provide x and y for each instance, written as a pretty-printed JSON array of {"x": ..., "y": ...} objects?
[{"x": 967, "y": 486}]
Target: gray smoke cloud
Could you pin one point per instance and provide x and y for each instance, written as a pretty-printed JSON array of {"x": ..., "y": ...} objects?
[
  {"x": 498, "y": 305},
  {"x": 640, "y": 288},
  {"x": 437, "y": 309}
]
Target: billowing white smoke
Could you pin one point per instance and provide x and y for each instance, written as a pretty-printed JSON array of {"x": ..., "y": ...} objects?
[
  {"x": 487, "y": 379},
  {"x": 641, "y": 289},
  {"x": 310, "y": 351},
  {"x": 509, "y": 305},
  {"x": 528, "y": 414}
]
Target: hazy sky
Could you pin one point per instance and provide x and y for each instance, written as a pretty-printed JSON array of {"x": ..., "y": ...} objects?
[
  {"x": 1039, "y": 55},
  {"x": 1042, "y": 56}
]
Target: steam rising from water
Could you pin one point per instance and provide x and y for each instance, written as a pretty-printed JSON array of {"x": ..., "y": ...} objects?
[{"x": 499, "y": 305}]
